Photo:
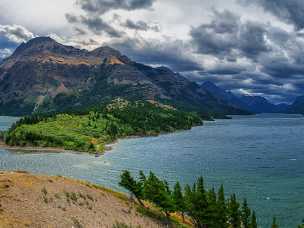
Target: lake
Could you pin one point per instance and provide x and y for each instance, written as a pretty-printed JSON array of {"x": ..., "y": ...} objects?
[{"x": 259, "y": 157}]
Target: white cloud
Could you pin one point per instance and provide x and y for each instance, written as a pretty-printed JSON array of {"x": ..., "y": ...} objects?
[
  {"x": 15, "y": 33},
  {"x": 5, "y": 53}
]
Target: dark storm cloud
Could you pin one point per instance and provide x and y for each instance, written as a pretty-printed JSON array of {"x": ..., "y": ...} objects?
[
  {"x": 87, "y": 43},
  {"x": 227, "y": 37},
  {"x": 252, "y": 39},
  {"x": 94, "y": 9},
  {"x": 227, "y": 69},
  {"x": 71, "y": 18},
  {"x": 218, "y": 37},
  {"x": 95, "y": 24},
  {"x": 99, "y": 26},
  {"x": 103, "y": 6},
  {"x": 283, "y": 69},
  {"x": 170, "y": 54},
  {"x": 80, "y": 31},
  {"x": 289, "y": 10},
  {"x": 139, "y": 25},
  {"x": 274, "y": 57}
]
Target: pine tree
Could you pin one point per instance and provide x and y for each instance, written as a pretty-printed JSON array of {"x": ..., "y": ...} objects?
[
  {"x": 234, "y": 212},
  {"x": 197, "y": 203},
  {"x": 201, "y": 203},
  {"x": 274, "y": 223},
  {"x": 245, "y": 214},
  {"x": 200, "y": 188},
  {"x": 179, "y": 200},
  {"x": 222, "y": 208},
  {"x": 129, "y": 183},
  {"x": 158, "y": 192},
  {"x": 212, "y": 210},
  {"x": 253, "y": 223},
  {"x": 142, "y": 177}
]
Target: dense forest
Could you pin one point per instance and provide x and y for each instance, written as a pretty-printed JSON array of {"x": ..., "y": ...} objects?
[{"x": 91, "y": 131}]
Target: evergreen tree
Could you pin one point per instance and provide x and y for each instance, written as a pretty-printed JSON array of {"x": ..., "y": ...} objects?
[
  {"x": 274, "y": 223},
  {"x": 212, "y": 210},
  {"x": 134, "y": 187},
  {"x": 157, "y": 192},
  {"x": 200, "y": 188},
  {"x": 179, "y": 200},
  {"x": 197, "y": 203},
  {"x": 206, "y": 208},
  {"x": 253, "y": 223},
  {"x": 245, "y": 214},
  {"x": 142, "y": 177},
  {"x": 222, "y": 208},
  {"x": 234, "y": 212}
]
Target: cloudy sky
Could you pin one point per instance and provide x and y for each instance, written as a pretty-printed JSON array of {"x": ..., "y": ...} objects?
[{"x": 247, "y": 46}]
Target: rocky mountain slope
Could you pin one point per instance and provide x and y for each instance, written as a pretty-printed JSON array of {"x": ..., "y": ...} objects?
[{"x": 43, "y": 75}]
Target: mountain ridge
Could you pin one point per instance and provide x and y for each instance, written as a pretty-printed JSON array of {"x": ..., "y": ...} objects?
[
  {"x": 254, "y": 104},
  {"x": 43, "y": 75}
]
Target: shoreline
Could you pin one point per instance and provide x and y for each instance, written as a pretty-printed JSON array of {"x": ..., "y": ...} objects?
[
  {"x": 108, "y": 146},
  {"x": 33, "y": 149}
]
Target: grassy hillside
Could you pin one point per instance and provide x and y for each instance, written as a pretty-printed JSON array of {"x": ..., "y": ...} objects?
[
  {"x": 90, "y": 132},
  {"x": 44, "y": 201}
]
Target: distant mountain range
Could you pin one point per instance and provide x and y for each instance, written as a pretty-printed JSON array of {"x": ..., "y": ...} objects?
[
  {"x": 297, "y": 106},
  {"x": 254, "y": 104},
  {"x": 45, "y": 76}
]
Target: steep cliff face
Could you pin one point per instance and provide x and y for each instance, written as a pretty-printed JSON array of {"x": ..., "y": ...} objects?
[{"x": 43, "y": 75}]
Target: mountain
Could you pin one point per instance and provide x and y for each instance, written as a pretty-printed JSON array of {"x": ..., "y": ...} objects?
[
  {"x": 43, "y": 75},
  {"x": 224, "y": 96},
  {"x": 297, "y": 106},
  {"x": 258, "y": 104},
  {"x": 253, "y": 104}
]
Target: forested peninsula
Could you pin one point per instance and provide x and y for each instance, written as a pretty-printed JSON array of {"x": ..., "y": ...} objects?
[{"x": 92, "y": 131}]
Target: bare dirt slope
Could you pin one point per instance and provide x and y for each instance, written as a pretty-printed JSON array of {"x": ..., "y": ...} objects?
[{"x": 28, "y": 200}]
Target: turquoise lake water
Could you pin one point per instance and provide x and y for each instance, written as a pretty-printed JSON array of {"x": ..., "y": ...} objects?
[{"x": 259, "y": 157}]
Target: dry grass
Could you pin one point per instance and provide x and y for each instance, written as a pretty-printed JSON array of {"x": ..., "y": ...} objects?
[{"x": 27, "y": 200}]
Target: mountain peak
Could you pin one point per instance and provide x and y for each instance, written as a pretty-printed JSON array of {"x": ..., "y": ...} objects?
[
  {"x": 41, "y": 39},
  {"x": 105, "y": 51},
  {"x": 36, "y": 43},
  {"x": 108, "y": 54}
]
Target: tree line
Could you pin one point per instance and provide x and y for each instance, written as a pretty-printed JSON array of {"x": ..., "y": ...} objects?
[{"x": 205, "y": 208}]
